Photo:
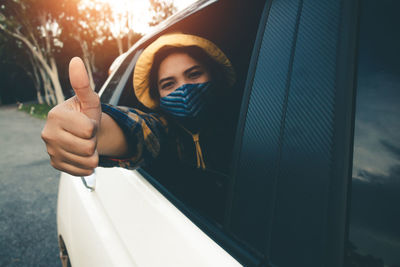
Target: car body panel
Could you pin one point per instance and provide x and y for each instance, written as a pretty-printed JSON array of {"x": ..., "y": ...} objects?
[
  {"x": 154, "y": 233},
  {"x": 84, "y": 226}
]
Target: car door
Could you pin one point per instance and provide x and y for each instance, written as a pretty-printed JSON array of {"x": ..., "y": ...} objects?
[
  {"x": 140, "y": 222},
  {"x": 294, "y": 141},
  {"x": 288, "y": 188}
]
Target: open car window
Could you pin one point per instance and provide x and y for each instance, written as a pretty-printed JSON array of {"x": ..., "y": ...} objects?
[
  {"x": 204, "y": 194},
  {"x": 238, "y": 47}
]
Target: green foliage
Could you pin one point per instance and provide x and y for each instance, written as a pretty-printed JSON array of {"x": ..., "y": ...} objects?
[{"x": 36, "y": 110}]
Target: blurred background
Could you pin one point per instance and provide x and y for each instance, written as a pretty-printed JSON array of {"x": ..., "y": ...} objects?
[
  {"x": 39, "y": 37},
  {"x": 37, "y": 40}
]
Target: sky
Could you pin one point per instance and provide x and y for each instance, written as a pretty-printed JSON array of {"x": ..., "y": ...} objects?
[{"x": 376, "y": 166}]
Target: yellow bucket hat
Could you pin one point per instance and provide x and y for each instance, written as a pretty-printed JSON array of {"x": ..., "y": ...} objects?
[{"x": 144, "y": 64}]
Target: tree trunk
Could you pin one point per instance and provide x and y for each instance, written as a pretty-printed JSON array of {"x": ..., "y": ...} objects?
[
  {"x": 130, "y": 35},
  {"x": 48, "y": 90},
  {"x": 56, "y": 81},
  {"x": 38, "y": 55},
  {"x": 93, "y": 61},
  {"x": 39, "y": 97},
  {"x": 37, "y": 81},
  {"x": 120, "y": 47},
  {"x": 90, "y": 73},
  {"x": 86, "y": 60}
]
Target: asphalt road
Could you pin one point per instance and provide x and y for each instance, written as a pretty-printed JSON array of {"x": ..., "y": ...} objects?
[{"x": 28, "y": 193}]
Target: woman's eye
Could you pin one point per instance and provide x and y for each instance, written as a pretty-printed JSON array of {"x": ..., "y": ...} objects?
[
  {"x": 195, "y": 74},
  {"x": 167, "y": 85}
]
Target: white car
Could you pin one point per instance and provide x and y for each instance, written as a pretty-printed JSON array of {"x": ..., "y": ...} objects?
[{"x": 287, "y": 200}]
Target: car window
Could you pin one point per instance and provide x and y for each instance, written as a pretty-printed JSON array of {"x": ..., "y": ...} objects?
[
  {"x": 374, "y": 232},
  {"x": 202, "y": 195},
  {"x": 115, "y": 83},
  {"x": 205, "y": 191}
]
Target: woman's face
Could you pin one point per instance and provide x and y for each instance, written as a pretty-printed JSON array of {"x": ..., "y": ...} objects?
[{"x": 178, "y": 69}]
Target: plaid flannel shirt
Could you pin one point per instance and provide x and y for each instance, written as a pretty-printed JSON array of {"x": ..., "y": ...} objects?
[{"x": 145, "y": 133}]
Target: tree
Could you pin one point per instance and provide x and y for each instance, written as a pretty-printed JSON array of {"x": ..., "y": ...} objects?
[
  {"x": 40, "y": 28},
  {"x": 121, "y": 25},
  {"x": 14, "y": 70},
  {"x": 16, "y": 59},
  {"x": 86, "y": 23},
  {"x": 161, "y": 10},
  {"x": 34, "y": 24}
]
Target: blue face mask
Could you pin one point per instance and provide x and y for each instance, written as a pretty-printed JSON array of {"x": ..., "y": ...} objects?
[{"x": 186, "y": 101}]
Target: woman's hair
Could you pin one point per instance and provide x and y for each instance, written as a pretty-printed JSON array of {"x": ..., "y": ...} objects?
[{"x": 198, "y": 54}]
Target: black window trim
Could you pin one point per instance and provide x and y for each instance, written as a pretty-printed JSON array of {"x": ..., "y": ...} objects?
[
  {"x": 339, "y": 197},
  {"x": 244, "y": 109}
]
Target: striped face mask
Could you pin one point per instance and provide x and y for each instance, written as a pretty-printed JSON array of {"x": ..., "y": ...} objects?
[{"x": 187, "y": 101}]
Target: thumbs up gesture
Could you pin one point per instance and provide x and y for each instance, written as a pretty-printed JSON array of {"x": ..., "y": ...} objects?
[{"x": 70, "y": 132}]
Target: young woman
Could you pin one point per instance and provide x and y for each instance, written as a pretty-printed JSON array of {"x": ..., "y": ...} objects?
[
  {"x": 184, "y": 81},
  {"x": 185, "y": 139}
]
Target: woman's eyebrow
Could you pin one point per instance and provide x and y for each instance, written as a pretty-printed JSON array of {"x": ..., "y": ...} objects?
[
  {"x": 165, "y": 79},
  {"x": 191, "y": 69}
]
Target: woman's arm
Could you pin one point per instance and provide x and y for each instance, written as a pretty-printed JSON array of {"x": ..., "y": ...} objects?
[
  {"x": 111, "y": 140},
  {"x": 78, "y": 130},
  {"x": 140, "y": 137}
]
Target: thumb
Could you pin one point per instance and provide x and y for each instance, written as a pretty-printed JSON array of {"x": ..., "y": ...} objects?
[{"x": 88, "y": 99}]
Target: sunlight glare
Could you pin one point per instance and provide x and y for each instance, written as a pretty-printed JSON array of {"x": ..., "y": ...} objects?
[{"x": 129, "y": 14}]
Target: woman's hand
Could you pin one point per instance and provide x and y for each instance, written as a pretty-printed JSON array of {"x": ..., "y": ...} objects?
[{"x": 70, "y": 132}]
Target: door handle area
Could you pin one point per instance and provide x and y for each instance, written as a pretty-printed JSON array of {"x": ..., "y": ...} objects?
[{"x": 89, "y": 181}]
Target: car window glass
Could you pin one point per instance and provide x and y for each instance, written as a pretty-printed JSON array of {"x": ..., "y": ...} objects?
[{"x": 374, "y": 232}]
